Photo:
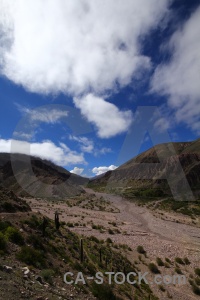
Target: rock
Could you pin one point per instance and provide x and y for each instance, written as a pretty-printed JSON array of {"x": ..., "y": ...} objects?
[
  {"x": 8, "y": 269},
  {"x": 1, "y": 278},
  {"x": 26, "y": 271}
]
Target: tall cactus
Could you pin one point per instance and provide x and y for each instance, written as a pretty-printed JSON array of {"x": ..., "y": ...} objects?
[
  {"x": 57, "y": 222},
  {"x": 100, "y": 255},
  {"x": 81, "y": 250}
]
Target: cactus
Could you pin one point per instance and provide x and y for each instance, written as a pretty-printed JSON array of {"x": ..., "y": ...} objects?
[
  {"x": 57, "y": 222},
  {"x": 81, "y": 250},
  {"x": 106, "y": 262},
  {"x": 100, "y": 255}
]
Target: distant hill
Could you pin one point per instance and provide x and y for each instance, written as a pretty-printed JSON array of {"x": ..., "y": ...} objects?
[
  {"x": 131, "y": 177},
  {"x": 45, "y": 179}
]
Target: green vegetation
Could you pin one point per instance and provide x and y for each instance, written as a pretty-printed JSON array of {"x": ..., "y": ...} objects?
[
  {"x": 13, "y": 235},
  {"x": 179, "y": 261},
  {"x": 159, "y": 261},
  {"x": 32, "y": 257},
  {"x": 186, "y": 261},
  {"x": 197, "y": 271},
  {"x": 140, "y": 249},
  {"x": 48, "y": 274},
  {"x": 2, "y": 242},
  {"x": 189, "y": 208},
  {"x": 153, "y": 268},
  {"x": 178, "y": 270}
]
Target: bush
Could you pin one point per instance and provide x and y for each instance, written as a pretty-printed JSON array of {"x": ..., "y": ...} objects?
[
  {"x": 197, "y": 281},
  {"x": 161, "y": 287},
  {"x": 47, "y": 274},
  {"x": 36, "y": 241},
  {"x": 186, "y": 261},
  {"x": 109, "y": 241},
  {"x": 179, "y": 261},
  {"x": 141, "y": 250},
  {"x": 103, "y": 292},
  {"x": 159, "y": 261},
  {"x": 195, "y": 289},
  {"x": 4, "y": 225},
  {"x": 153, "y": 268},
  {"x": 168, "y": 260},
  {"x": 197, "y": 271},
  {"x": 13, "y": 235},
  {"x": 31, "y": 256},
  {"x": 178, "y": 270},
  {"x": 2, "y": 242}
]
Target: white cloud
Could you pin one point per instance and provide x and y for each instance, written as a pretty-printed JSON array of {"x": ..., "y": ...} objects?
[
  {"x": 87, "y": 145},
  {"x": 108, "y": 119},
  {"x": 103, "y": 150},
  {"x": 77, "y": 171},
  {"x": 60, "y": 155},
  {"x": 179, "y": 79},
  {"x": 101, "y": 170},
  {"x": 75, "y": 46},
  {"x": 43, "y": 114}
]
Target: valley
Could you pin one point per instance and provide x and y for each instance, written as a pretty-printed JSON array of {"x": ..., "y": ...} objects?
[{"x": 166, "y": 235}]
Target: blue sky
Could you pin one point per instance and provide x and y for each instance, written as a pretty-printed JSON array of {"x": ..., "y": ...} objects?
[{"x": 73, "y": 75}]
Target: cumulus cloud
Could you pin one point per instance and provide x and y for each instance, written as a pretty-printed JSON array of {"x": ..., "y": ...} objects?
[
  {"x": 44, "y": 114},
  {"x": 101, "y": 170},
  {"x": 108, "y": 119},
  {"x": 77, "y": 171},
  {"x": 179, "y": 79},
  {"x": 75, "y": 46},
  {"x": 86, "y": 144},
  {"x": 60, "y": 155}
]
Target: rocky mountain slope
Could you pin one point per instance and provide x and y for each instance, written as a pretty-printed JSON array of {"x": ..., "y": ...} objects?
[
  {"x": 33, "y": 176},
  {"x": 10, "y": 203},
  {"x": 145, "y": 174}
]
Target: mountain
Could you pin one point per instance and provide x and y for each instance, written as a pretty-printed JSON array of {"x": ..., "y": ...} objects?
[
  {"x": 143, "y": 175},
  {"x": 27, "y": 175},
  {"x": 10, "y": 203}
]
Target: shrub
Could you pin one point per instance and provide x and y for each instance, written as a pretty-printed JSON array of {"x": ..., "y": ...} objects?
[
  {"x": 197, "y": 281},
  {"x": 36, "y": 241},
  {"x": 2, "y": 242},
  {"x": 109, "y": 241},
  {"x": 166, "y": 265},
  {"x": 159, "y": 261},
  {"x": 69, "y": 224},
  {"x": 103, "y": 292},
  {"x": 4, "y": 225},
  {"x": 196, "y": 289},
  {"x": 140, "y": 250},
  {"x": 168, "y": 260},
  {"x": 179, "y": 261},
  {"x": 13, "y": 235},
  {"x": 153, "y": 268},
  {"x": 197, "y": 271},
  {"x": 186, "y": 261},
  {"x": 31, "y": 256},
  {"x": 110, "y": 231},
  {"x": 178, "y": 270},
  {"x": 47, "y": 274},
  {"x": 161, "y": 287}
]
